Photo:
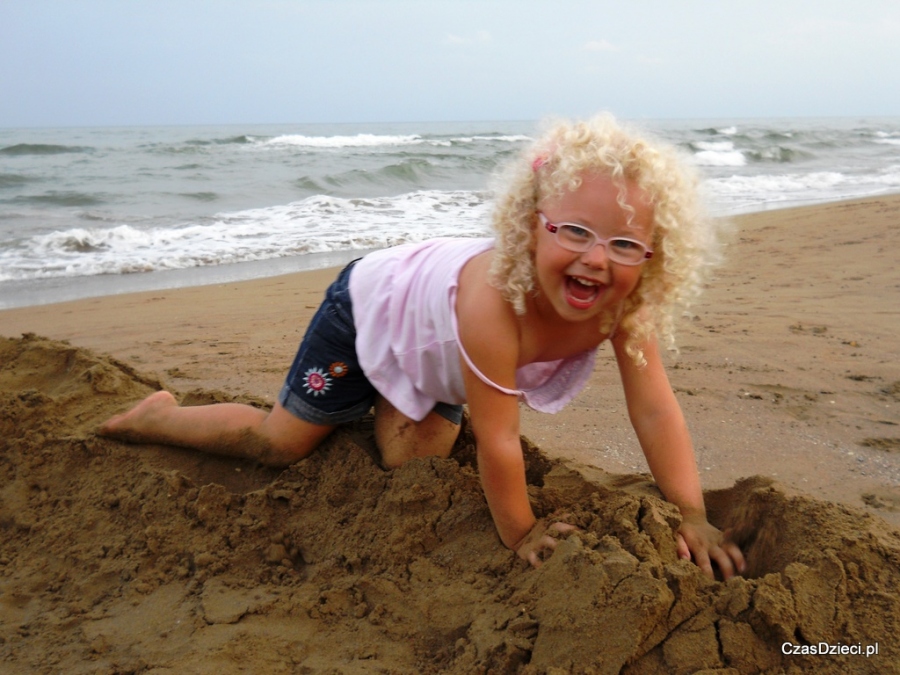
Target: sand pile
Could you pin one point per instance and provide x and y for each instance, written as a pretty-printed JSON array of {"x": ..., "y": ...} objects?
[{"x": 118, "y": 559}]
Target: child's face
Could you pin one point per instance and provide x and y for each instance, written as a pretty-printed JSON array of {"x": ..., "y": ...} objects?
[{"x": 582, "y": 286}]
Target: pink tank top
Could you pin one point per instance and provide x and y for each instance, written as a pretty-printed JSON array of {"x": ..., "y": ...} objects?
[{"x": 407, "y": 340}]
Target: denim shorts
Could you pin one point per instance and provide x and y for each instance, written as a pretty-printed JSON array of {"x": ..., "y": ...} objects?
[{"x": 325, "y": 384}]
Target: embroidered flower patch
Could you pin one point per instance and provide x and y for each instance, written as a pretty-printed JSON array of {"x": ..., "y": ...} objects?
[
  {"x": 317, "y": 381},
  {"x": 338, "y": 369}
]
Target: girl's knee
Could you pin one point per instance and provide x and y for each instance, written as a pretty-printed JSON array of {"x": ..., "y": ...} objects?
[{"x": 429, "y": 438}]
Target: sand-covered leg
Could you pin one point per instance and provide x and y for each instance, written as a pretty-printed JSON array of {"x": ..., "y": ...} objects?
[{"x": 274, "y": 437}]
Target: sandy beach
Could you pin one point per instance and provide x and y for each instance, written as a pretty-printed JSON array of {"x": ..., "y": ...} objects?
[{"x": 121, "y": 559}]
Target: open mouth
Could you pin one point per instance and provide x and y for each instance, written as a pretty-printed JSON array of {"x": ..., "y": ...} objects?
[{"x": 581, "y": 292}]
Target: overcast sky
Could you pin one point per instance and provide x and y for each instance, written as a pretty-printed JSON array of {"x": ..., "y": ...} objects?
[{"x": 138, "y": 62}]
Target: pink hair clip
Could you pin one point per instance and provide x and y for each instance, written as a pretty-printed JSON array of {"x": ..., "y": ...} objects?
[{"x": 538, "y": 163}]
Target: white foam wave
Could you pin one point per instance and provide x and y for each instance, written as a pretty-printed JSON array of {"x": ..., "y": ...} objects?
[
  {"x": 503, "y": 139},
  {"x": 717, "y": 153},
  {"x": 357, "y": 141},
  {"x": 375, "y": 140},
  {"x": 776, "y": 184},
  {"x": 727, "y": 131},
  {"x": 737, "y": 193},
  {"x": 316, "y": 224},
  {"x": 714, "y": 146},
  {"x": 889, "y": 177},
  {"x": 465, "y": 140}
]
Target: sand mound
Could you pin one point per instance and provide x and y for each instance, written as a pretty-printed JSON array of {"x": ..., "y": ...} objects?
[{"x": 123, "y": 559}]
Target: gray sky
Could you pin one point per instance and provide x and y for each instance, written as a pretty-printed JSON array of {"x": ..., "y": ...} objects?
[{"x": 137, "y": 62}]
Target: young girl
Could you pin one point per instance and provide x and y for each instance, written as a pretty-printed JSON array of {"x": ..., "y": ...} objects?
[{"x": 598, "y": 237}]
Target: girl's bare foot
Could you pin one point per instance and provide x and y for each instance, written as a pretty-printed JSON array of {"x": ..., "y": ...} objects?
[{"x": 141, "y": 424}]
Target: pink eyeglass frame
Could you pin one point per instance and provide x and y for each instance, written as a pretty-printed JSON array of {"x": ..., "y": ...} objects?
[{"x": 554, "y": 228}]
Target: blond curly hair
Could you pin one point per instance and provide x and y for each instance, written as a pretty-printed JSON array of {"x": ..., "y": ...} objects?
[{"x": 686, "y": 240}]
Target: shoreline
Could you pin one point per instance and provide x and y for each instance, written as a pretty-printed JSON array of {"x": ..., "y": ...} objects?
[
  {"x": 15, "y": 294},
  {"x": 35, "y": 292}
]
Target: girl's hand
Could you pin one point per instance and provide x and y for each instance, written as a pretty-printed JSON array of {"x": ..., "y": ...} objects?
[
  {"x": 700, "y": 541},
  {"x": 540, "y": 543}
]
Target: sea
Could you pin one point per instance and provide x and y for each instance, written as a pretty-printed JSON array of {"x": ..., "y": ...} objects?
[{"x": 97, "y": 211}]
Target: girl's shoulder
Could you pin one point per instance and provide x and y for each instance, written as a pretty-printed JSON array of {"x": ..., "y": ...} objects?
[
  {"x": 481, "y": 308},
  {"x": 476, "y": 296},
  {"x": 475, "y": 271}
]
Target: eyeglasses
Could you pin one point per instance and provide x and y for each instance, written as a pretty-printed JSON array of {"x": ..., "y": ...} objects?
[{"x": 580, "y": 239}]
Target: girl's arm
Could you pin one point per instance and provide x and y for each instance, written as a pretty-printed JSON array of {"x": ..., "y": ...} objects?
[
  {"x": 666, "y": 442},
  {"x": 489, "y": 332},
  {"x": 501, "y": 466}
]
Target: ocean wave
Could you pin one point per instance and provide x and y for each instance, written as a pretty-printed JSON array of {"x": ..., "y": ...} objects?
[
  {"x": 399, "y": 172},
  {"x": 242, "y": 139},
  {"x": 713, "y": 146},
  {"x": 717, "y": 153},
  {"x": 889, "y": 177},
  {"x": 178, "y": 149},
  {"x": 309, "y": 184},
  {"x": 357, "y": 141},
  {"x": 96, "y": 216},
  {"x": 887, "y": 137},
  {"x": 200, "y": 196},
  {"x": 489, "y": 139},
  {"x": 204, "y": 146},
  {"x": 376, "y": 140},
  {"x": 41, "y": 149},
  {"x": 499, "y": 138},
  {"x": 407, "y": 174},
  {"x": 198, "y": 146},
  {"x": 777, "y": 135},
  {"x": 724, "y": 153},
  {"x": 12, "y": 180},
  {"x": 315, "y": 224},
  {"x": 779, "y": 154},
  {"x": 773, "y": 184},
  {"x": 752, "y": 137},
  {"x": 78, "y": 241},
  {"x": 58, "y": 199},
  {"x": 738, "y": 193},
  {"x": 356, "y": 178}
]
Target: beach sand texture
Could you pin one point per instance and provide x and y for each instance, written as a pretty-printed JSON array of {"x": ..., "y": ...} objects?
[{"x": 120, "y": 559}]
